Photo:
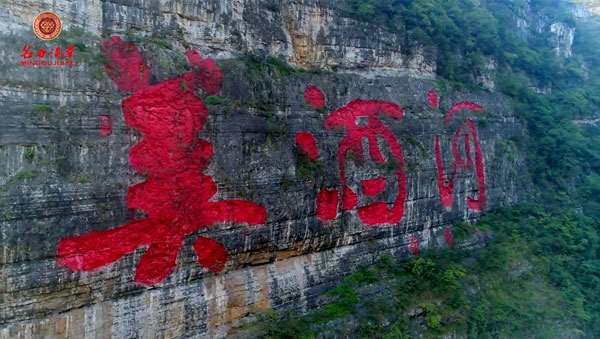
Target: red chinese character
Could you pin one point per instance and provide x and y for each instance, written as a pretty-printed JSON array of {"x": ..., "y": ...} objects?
[
  {"x": 177, "y": 196},
  {"x": 369, "y": 111},
  {"x": 468, "y": 133},
  {"x": 448, "y": 237},
  {"x": 106, "y": 125},
  {"x": 414, "y": 245},
  {"x": 433, "y": 99},
  {"x": 361, "y": 119},
  {"x": 26, "y": 53},
  {"x": 314, "y": 97},
  {"x": 69, "y": 52},
  {"x": 42, "y": 52},
  {"x": 58, "y": 53},
  {"x": 307, "y": 144}
]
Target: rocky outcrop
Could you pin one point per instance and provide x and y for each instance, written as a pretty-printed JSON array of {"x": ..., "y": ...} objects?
[
  {"x": 64, "y": 173},
  {"x": 562, "y": 40},
  {"x": 530, "y": 23},
  {"x": 308, "y": 33},
  {"x": 583, "y": 9}
]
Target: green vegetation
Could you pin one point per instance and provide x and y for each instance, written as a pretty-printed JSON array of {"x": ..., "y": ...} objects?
[
  {"x": 214, "y": 100},
  {"x": 74, "y": 36},
  {"x": 463, "y": 36},
  {"x": 538, "y": 275},
  {"x": 23, "y": 176},
  {"x": 306, "y": 169},
  {"x": 415, "y": 143},
  {"x": 261, "y": 63},
  {"x": 83, "y": 180},
  {"x": 262, "y": 104},
  {"x": 43, "y": 110},
  {"x": 98, "y": 74},
  {"x": 276, "y": 128},
  {"x": 30, "y": 154},
  {"x": 387, "y": 166},
  {"x": 258, "y": 63}
]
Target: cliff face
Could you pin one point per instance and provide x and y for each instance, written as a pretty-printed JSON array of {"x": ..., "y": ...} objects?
[
  {"x": 585, "y": 8},
  {"x": 67, "y": 163},
  {"x": 308, "y": 33},
  {"x": 560, "y": 35}
]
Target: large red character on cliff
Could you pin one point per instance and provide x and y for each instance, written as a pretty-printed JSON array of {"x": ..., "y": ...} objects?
[
  {"x": 176, "y": 194},
  {"x": 360, "y": 118},
  {"x": 466, "y": 133}
]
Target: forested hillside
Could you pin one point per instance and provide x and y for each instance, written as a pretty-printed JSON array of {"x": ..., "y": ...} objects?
[{"x": 537, "y": 270}]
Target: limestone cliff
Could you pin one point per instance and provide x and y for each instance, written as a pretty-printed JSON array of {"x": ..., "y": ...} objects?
[{"x": 66, "y": 152}]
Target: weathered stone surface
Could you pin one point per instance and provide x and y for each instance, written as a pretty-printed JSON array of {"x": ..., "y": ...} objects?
[
  {"x": 531, "y": 23},
  {"x": 585, "y": 8},
  {"x": 562, "y": 39},
  {"x": 60, "y": 178},
  {"x": 308, "y": 33}
]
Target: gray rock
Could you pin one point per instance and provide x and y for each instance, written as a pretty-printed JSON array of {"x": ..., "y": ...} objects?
[{"x": 60, "y": 178}]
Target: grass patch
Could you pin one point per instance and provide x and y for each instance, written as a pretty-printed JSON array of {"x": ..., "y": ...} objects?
[
  {"x": 263, "y": 64},
  {"x": 43, "y": 110},
  {"x": 83, "y": 180},
  {"x": 276, "y": 128},
  {"x": 260, "y": 63},
  {"x": 30, "y": 154},
  {"x": 21, "y": 177},
  {"x": 214, "y": 100},
  {"x": 307, "y": 169}
]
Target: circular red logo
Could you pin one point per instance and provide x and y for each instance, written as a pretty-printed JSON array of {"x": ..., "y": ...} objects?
[{"x": 47, "y": 26}]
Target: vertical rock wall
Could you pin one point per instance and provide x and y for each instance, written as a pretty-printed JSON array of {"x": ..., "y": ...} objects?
[{"x": 65, "y": 166}]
